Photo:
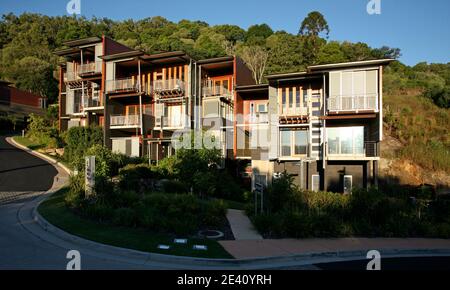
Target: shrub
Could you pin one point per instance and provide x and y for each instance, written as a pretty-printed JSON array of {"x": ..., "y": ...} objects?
[
  {"x": 136, "y": 177},
  {"x": 124, "y": 217},
  {"x": 75, "y": 195},
  {"x": 79, "y": 140},
  {"x": 174, "y": 186}
]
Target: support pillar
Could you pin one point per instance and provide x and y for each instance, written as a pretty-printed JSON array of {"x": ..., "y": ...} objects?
[{"x": 375, "y": 173}]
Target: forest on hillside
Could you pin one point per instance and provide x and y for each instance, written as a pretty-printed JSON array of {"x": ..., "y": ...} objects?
[
  {"x": 27, "y": 43},
  {"x": 417, "y": 98}
]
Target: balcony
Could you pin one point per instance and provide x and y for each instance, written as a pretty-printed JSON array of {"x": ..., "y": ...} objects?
[
  {"x": 352, "y": 103},
  {"x": 91, "y": 102},
  {"x": 258, "y": 118},
  {"x": 70, "y": 76},
  {"x": 209, "y": 91},
  {"x": 293, "y": 111},
  {"x": 124, "y": 121},
  {"x": 91, "y": 68},
  {"x": 122, "y": 85},
  {"x": 169, "y": 88}
]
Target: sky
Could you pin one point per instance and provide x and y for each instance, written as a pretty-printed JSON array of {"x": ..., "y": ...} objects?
[{"x": 419, "y": 28}]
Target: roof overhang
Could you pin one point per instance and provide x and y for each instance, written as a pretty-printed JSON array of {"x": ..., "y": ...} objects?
[
  {"x": 167, "y": 57},
  {"x": 253, "y": 88},
  {"x": 324, "y": 67},
  {"x": 83, "y": 41},
  {"x": 122, "y": 55}
]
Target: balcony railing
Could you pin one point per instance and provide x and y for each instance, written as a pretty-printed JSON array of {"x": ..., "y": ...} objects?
[
  {"x": 172, "y": 85},
  {"x": 122, "y": 85},
  {"x": 293, "y": 111},
  {"x": 70, "y": 76},
  {"x": 208, "y": 91},
  {"x": 259, "y": 118},
  {"x": 172, "y": 122},
  {"x": 367, "y": 149},
  {"x": 90, "y": 68},
  {"x": 125, "y": 120},
  {"x": 353, "y": 103}
]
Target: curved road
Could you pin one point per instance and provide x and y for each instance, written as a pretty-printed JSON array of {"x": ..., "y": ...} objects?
[{"x": 23, "y": 177}]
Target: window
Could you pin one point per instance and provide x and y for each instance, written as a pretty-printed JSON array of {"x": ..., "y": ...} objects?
[
  {"x": 262, "y": 108},
  {"x": 291, "y": 97},
  {"x": 348, "y": 184},
  {"x": 300, "y": 142},
  {"x": 305, "y": 97},
  {"x": 294, "y": 142},
  {"x": 315, "y": 182},
  {"x": 285, "y": 143},
  {"x": 297, "y": 97},
  {"x": 345, "y": 141},
  {"x": 283, "y": 100}
]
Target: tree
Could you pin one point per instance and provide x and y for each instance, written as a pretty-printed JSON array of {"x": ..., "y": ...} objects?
[
  {"x": 285, "y": 53},
  {"x": 314, "y": 24},
  {"x": 257, "y": 34},
  {"x": 387, "y": 52},
  {"x": 255, "y": 57}
]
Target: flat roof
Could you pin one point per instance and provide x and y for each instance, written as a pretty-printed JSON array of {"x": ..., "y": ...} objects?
[
  {"x": 155, "y": 57},
  {"x": 350, "y": 64},
  {"x": 66, "y": 51},
  {"x": 252, "y": 88},
  {"x": 120, "y": 55},
  {"x": 215, "y": 60},
  {"x": 83, "y": 41}
]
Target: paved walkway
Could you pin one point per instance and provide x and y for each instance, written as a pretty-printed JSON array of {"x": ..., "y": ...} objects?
[
  {"x": 241, "y": 226},
  {"x": 241, "y": 249}
]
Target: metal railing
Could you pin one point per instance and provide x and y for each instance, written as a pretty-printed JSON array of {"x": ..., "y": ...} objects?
[
  {"x": 370, "y": 149},
  {"x": 208, "y": 91},
  {"x": 122, "y": 85},
  {"x": 352, "y": 102},
  {"x": 172, "y": 122},
  {"x": 90, "y": 68},
  {"x": 70, "y": 76},
  {"x": 293, "y": 111},
  {"x": 125, "y": 120},
  {"x": 259, "y": 118},
  {"x": 168, "y": 85}
]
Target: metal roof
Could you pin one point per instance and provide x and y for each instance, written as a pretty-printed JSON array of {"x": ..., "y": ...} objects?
[
  {"x": 83, "y": 41},
  {"x": 349, "y": 64}
]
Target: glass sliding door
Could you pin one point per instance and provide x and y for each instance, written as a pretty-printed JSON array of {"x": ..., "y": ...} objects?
[
  {"x": 285, "y": 143},
  {"x": 345, "y": 140}
]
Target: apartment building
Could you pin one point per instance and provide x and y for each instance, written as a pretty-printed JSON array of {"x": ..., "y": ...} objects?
[
  {"x": 82, "y": 80},
  {"x": 324, "y": 126}
]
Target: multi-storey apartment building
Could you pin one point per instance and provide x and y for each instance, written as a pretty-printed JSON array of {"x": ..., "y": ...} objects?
[
  {"x": 82, "y": 80},
  {"x": 323, "y": 126}
]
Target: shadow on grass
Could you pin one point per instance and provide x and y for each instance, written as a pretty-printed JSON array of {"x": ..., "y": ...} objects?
[{"x": 55, "y": 211}]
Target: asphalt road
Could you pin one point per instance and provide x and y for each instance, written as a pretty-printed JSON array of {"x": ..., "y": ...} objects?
[
  {"x": 22, "y": 178},
  {"x": 393, "y": 264}
]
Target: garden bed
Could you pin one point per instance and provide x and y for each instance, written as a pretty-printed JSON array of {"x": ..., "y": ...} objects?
[{"x": 56, "y": 212}]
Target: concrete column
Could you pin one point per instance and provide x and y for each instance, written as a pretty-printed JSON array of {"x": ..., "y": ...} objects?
[{"x": 375, "y": 173}]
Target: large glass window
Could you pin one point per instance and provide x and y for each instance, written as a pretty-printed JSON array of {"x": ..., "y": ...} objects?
[
  {"x": 286, "y": 143},
  {"x": 346, "y": 140},
  {"x": 300, "y": 142},
  {"x": 294, "y": 142}
]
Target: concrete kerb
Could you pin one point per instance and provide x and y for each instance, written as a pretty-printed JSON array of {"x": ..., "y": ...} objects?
[{"x": 139, "y": 257}]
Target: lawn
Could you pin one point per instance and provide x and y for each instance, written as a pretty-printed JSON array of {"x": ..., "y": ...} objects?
[
  {"x": 55, "y": 211},
  {"x": 28, "y": 143}
]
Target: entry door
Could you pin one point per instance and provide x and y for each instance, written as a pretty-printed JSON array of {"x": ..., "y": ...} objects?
[{"x": 348, "y": 183}]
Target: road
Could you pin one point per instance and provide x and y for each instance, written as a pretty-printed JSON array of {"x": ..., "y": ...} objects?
[{"x": 22, "y": 178}]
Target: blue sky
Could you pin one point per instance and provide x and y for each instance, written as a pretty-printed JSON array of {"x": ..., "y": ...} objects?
[{"x": 419, "y": 28}]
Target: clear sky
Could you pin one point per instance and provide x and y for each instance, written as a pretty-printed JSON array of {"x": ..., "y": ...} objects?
[{"x": 419, "y": 28}]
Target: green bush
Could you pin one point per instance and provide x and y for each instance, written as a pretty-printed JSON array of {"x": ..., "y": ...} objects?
[
  {"x": 303, "y": 214},
  {"x": 136, "y": 177},
  {"x": 78, "y": 140},
  {"x": 174, "y": 186},
  {"x": 124, "y": 217}
]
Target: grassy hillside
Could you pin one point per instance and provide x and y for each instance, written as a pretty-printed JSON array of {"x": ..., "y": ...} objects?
[{"x": 412, "y": 116}]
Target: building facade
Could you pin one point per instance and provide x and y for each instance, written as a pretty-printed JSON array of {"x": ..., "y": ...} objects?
[{"x": 323, "y": 126}]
